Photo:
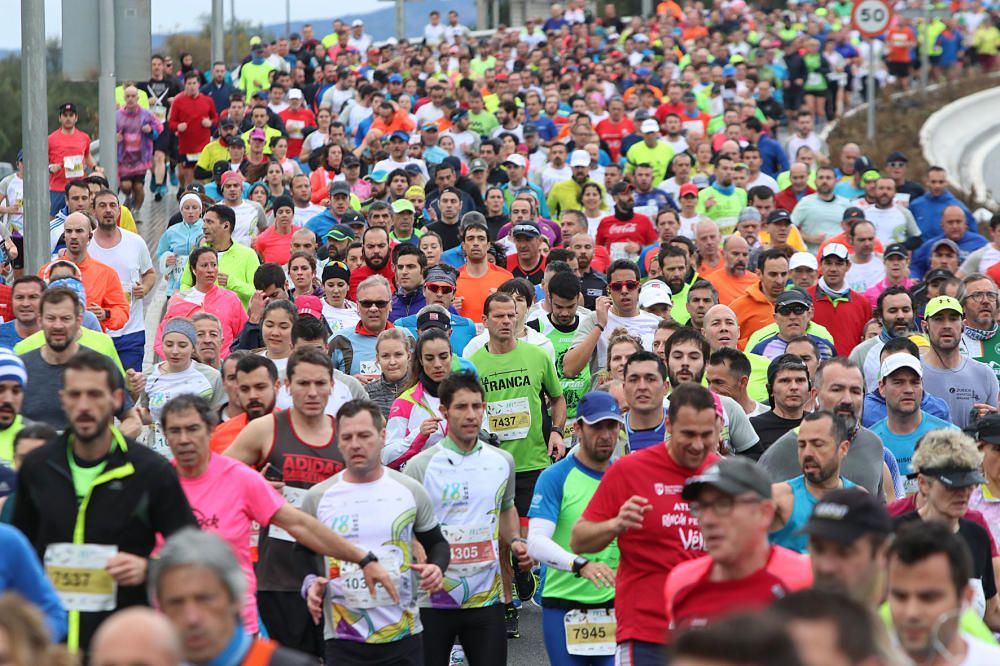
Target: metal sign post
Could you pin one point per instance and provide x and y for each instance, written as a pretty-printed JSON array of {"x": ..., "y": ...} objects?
[
  {"x": 34, "y": 124},
  {"x": 871, "y": 18}
]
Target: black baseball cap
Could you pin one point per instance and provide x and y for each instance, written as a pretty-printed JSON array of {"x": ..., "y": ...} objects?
[
  {"x": 794, "y": 296},
  {"x": 620, "y": 187},
  {"x": 353, "y": 217},
  {"x": 938, "y": 274},
  {"x": 227, "y": 122},
  {"x": 895, "y": 250},
  {"x": 67, "y": 107},
  {"x": 847, "y": 514},
  {"x": 779, "y": 216},
  {"x": 236, "y": 141},
  {"x": 432, "y": 319},
  {"x": 987, "y": 429},
  {"x": 853, "y": 213},
  {"x": 731, "y": 476},
  {"x": 955, "y": 477},
  {"x": 896, "y": 156},
  {"x": 350, "y": 159}
]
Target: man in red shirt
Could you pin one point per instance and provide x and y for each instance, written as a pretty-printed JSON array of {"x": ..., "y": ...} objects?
[
  {"x": 528, "y": 262},
  {"x": 742, "y": 571},
  {"x": 789, "y": 198},
  {"x": 615, "y": 127},
  {"x": 625, "y": 233},
  {"x": 900, "y": 41},
  {"x": 639, "y": 502},
  {"x": 69, "y": 156},
  {"x": 843, "y": 311},
  {"x": 191, "y": 118},
  {"x": 375, "y": 252},
  {"x": 673, "y": 103},
  {"x": 297, "y": 119}
]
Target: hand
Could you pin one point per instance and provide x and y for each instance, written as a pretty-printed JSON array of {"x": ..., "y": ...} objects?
[
  {"x": 127, "y": 569},
  {"x": 171, "y": 259},
  {"x": 136, "y": 380},
  {"x": 147, "y": 128},
  {"x": 255, "y": 309},
  {"x": 557, "y": 449},
  {"x": 602, "y": 308},
  {"x": 98, "y": 311},
  {"x": 119, "y": 138},
  {"x": 138, "y": 291},
  {"x": 632, "y": 247},
  {"x": 984, "y": 409},
  {"x": 630, "y": 516},
  {"x": 182, "y": 127},
  {"x": 365, "y": 379},
  {"x": 314, "y": 598},
  {"x": 15, "y": 209},
  {"x": 430, "y": 426},
  {"x": 598, "y": 573},
  {"x": 520, "y": 550},
  {"x": 206, "y": 122},
  {"x": 54, "y": 168},
  {"x": 709, "y": 202},
  {"x": 458, "y": 302},
  {"x": 430, "y": 576},
  {"x": 375, "y": 573},
  {"x": 9, "y": 243},
  {"x": 222, "y": 279}
]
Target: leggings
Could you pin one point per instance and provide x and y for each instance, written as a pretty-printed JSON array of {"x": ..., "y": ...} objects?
[
  {"x": 554, "y": 634},
  {"x": 481, "y": 631}
]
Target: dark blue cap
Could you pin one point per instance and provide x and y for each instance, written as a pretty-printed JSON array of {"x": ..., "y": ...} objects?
[{"x": 598, "y": 406}]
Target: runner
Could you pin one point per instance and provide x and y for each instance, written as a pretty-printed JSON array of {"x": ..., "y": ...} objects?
[
  {"x": 69, "y": 156},
  {"x": 137, "y": 129},
  {"x": 471, "y": 486},
  {"x": 572, "y": 608}
]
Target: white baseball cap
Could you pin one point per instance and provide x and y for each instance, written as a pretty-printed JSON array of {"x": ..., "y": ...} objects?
[
  {"x": 803, "y": 260},
  {"x": 898, "y": 361},
  {"x": 653, "y": 293},
  {"x": 517, "y": 160},
  {"x": 836, "y": 250},
  {"x": 649, "y": 125},
  {"x": 294, "y": 93},
  {"x": 579, "y": 158},
  {"x": 357, "y": 22}
]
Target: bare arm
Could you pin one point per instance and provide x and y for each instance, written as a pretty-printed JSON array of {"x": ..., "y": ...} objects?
[
  {"x": 576, "y": 359},
  {"x": 131, "y": 425},
  {"x": 314, "y": 535},
  {"x": 784, "y": 502},
  {"x": 591, "y": 537},
  {"x": 250, "y": 445}
]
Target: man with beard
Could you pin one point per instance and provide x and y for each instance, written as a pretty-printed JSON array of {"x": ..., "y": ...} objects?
[
  {"x": 61, "y": 314},
  {"x": 626, "y": 232},
  {"x": 593, "y": 283},
  {"x": 969, "y": 387},
  {"x": 734, "y": 279},
  {"x": 722, "y": 201},
  {"x": 104, "y": 289},
  {"x": 560, "y": 497},
  {"x": 92, "y": 482},
  {"x": 676, "y": 271},
  {"x": 838, "y": 388},
  {"x": 338, "y": 241},
  {"x": 893, "y": 223},
  {"x": 788, "y": 390},
  {"x": 375, "y": 252},
  {"x": 755, "y": 307},
  {"x": 823, "y": 443},
  {"x": 901, "y": 383},
  {"x": 566, "y": 195},
  {"x": 13, "y": 377},
  {"x": 979, "y": 298},
  {"x": 687, "y": 353},
  {"x": 294, "y": 447},
  {"x": 26, "y": 292},
  {"x": 127, "y": 254},
  {"x": 256, "y": 392},
  {"x": 894, "y": 310},
  {"x": 818, "y": 215}
]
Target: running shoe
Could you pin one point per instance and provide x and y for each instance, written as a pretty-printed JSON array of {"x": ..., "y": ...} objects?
[{"x": 510, "y": 618}]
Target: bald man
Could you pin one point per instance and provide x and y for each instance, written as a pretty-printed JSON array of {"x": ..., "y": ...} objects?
[
  {"x": 706, "y": 240},
  {"x": 734, "y": 278},
  {"x": 136, "y": 636},
  {"x": 722, "y": 330},
  {"x": 790, "y": 197}
]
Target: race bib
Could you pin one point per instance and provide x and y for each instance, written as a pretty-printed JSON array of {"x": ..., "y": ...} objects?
[
  {"x": 369, "y": 368},
  {"x": 355, "y": 588},
  {"x": 471, "y": 546},
  {"x": 695, "y": 127},
  {"x": 157, "y": 442},
  {"x": 509, "y": 419},
  {"x": 160, "y": 112},
  {"x": 978, "y": 604},
  {"x": 814, "y": 80},
  {"x": 618, "y": 252},
  {"x": 77, "y": 572},
  {"x": 193, "y": 157},
  {"x": 127, "y": 288},
  {"x": 295, "y": 497},
  {"x": 590, "y": 633},
  {"x": 73, "y": 166},
  {"x": 295, "y": 128}
]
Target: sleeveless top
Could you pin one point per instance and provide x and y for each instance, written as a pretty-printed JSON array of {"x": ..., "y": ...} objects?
[
  {"x": 789, "y": 536},
  {"x": 302, "y": 466}
]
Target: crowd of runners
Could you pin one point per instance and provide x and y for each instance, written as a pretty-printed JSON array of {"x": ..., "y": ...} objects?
[{"x": 584, "y": 314}]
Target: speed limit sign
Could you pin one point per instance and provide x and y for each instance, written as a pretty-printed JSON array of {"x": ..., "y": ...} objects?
[{"x": 871, "y": 17}]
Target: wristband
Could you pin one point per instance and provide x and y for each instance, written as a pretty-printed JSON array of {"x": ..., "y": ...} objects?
[
  {"x": 600, "y": 326},
  {"x": 517, "y": 538},
  {"x": 367, "y": 559}
]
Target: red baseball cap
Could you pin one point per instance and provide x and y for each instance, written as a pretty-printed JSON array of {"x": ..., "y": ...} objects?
[
  {"x": 308, "y": 304},
  {"x": 688, "y": 188}
]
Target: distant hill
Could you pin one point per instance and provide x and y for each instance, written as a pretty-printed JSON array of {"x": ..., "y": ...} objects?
[{"x": 380, "y": 24}]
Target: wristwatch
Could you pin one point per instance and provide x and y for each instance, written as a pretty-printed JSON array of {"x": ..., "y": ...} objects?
[
  {"x": 579, "y": 563},
  {"x": 367, "y": 559}
]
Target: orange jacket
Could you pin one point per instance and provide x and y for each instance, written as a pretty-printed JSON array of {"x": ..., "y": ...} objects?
[
  {"x": 104, "y": 289},
  {"x": 753, "y": 312}
]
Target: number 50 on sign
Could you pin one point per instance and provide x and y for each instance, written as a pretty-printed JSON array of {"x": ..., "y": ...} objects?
[{"x": 871, "y": 17}]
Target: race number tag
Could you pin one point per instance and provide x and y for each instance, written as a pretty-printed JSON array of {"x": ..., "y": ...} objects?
[
  {"x": 159, "y": 111},
  {"x": 509, "y": 419},
  {"x": 370, "y": 368},
  {"x": 356, "y": 594},
  {"x": 590, "y": 633},
  {"x": 77, "y": 572},
  {"x": 295, "y": 497},
  {"x": 471, "y": 546},
  {"x": 193, "y": 157},
  {"x": 295, "y": 128},
  {"x": 814, "y": 80},
  {"x": 73, "y": 166}
]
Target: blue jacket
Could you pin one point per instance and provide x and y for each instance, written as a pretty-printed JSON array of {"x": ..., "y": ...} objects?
[
  {"x": 875, "y": 411},
  {"x": 321, "y": 224},
  {"x": 922, "y": 257},
  {"x": 404, "y": 305},
  {"x": 462, "y": 329},
  {"x": 21, "y": 572},
  {"x": 454, "y": 257},
  {"x": 351, "y": 348},
  {"x": 773, "y": 157},
  {"x": 927, "y": 211}
]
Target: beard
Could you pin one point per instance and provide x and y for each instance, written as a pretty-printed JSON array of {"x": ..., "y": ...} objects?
[
  {"x": 256, "y": 409},
  {"x": 377, "y": 265}
]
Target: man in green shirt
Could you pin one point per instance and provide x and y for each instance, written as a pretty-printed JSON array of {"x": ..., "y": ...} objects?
[
  {"x": 722, "y": 201},
  {"x": 650, "y": 151},
  {"x": 566, "y": 195},
  {"x": 254, "y": 73},
  {"x": 481, "y": 121},
  {"x": 237, "y": 262}
]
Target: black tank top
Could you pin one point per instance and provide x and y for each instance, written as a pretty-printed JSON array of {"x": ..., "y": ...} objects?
[{"x": 279, "y": 567}]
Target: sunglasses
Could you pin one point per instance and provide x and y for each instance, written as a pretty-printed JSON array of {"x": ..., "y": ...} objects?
[
  {"x": 440, "y": 289},
  {"x": 368, "y": 305},
  {"x": 897, "y": 164},
  {"x": 792, "y": 310},
  {"x": 624, "y": 285}
]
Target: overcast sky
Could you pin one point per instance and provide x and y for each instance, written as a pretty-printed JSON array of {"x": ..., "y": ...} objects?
[{"x": 178, "y": 15}]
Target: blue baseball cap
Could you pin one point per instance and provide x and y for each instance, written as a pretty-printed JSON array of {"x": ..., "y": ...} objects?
[
  {"x": 20, "y": 155},
  {"x": 395, "y": 78},
  {"x": 598, "y": 406},
  {"x": 400, "y": 134}
]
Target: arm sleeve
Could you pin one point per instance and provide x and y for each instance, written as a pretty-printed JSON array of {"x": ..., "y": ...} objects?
[
  {"x": 29, "y": 580},
  {"x": 401, "y": 444},
  {"x": 542, "y": 548},
  {"x": 250, "y": 337},
  {"x": 437, "y": 548}
]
